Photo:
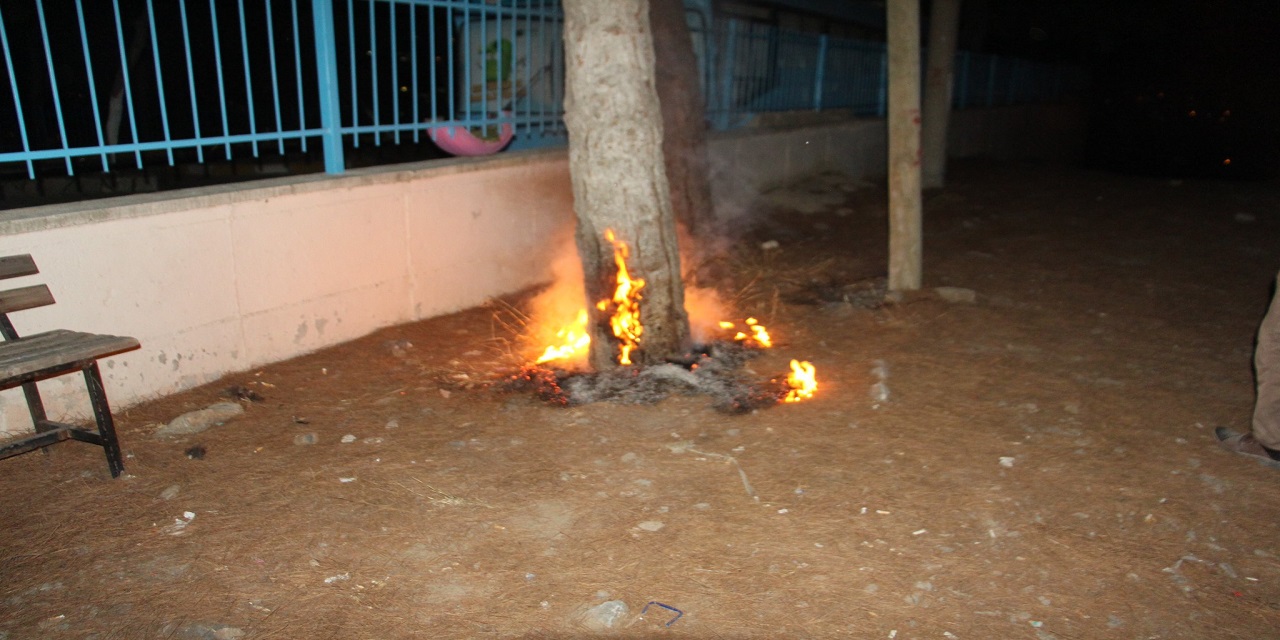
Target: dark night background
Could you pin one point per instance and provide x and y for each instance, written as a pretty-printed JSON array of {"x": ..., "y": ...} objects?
[
  {"x": 1183, "y": 88},
  {"x": 1180, "y": 88}
]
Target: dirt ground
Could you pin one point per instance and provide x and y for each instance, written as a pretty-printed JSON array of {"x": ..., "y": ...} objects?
[{"x": 1043, "y": 466}]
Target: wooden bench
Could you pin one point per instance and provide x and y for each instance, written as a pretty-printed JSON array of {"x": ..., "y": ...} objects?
[{"x": 23, "y": 361}]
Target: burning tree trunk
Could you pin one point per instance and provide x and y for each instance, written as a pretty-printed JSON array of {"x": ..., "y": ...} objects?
[
  {"x": 619, "y": 183},
  {"x": 684, "y": 141}
]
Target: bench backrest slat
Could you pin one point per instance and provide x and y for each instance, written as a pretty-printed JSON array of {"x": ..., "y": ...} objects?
[
  {"x": 14, "y": 266},
  {"x": 25, "y": 298}
]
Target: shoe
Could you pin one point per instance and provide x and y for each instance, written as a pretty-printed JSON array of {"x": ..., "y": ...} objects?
[{"x": 1246, "y": 444}]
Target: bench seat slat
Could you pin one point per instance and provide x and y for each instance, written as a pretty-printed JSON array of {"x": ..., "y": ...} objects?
[
  {"x": 14, "y": 266},
  {"x": 25, "y": 298},
  {"x": 52, "y": 350}
]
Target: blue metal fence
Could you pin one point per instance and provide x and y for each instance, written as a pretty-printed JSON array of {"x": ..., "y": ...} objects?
[{"x": 104, "y": 85}]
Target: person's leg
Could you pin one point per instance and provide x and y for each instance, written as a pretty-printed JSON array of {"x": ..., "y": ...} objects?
[{"x": 1266, "y": 363}]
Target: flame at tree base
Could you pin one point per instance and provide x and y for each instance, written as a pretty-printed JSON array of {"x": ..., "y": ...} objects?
[{"x": 710, "y": 369}]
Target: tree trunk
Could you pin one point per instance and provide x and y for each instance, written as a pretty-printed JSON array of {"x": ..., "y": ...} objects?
[
  {"x": 904, "y": 145},
  {"x": 684, "y": 141},
  {"x": 616, "y": 164},
  {"x": 944, "y": 24}
]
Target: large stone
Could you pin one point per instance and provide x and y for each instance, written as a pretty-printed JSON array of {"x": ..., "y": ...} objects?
[{"x": 201, "y": 419}]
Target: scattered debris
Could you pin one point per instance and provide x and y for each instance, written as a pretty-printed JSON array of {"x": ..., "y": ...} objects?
[
  {"x": 651, "y": 525},
  {"x": 654, "y": 603},
  {"x": 241, "y": 392},
  {"x": 306, "y": 438},
  {"x": 346, "y": 575},
  {"x": 179, "y": 526},
  {"x": 605, "y": 616},
  {"x": 170, "y": 492},
  {"x": 196, "y": 421}
]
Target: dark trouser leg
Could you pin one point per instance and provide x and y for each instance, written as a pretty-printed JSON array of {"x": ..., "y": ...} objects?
[{"x": 1266, "y": 362}]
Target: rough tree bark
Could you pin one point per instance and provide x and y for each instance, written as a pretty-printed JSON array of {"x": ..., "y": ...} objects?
[
  {"x": 616, "y": 164},
  {"x": 905, "y": 202},
  {"x": 944, "y": 26},
  {"x": 684, "y": 141}
]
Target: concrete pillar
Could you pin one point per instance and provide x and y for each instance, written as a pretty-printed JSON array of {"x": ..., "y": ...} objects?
[{"x": 905, "y": 218}]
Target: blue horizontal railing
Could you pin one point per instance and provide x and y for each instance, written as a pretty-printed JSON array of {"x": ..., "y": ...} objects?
[{"x": 203, "y": 82}]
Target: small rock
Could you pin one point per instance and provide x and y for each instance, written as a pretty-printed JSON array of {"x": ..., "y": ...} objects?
[
  {"x": 630, "y": 457},
  {"x": 605, "y": 616},
  {"x": 170, "y": 492},
  {"x": 769, "y": 245},
  {"x": 956, "y": 294},
  {"x": 196, "y": 452},
  {"x": 372, "y": 441},
  {"x": 651, "y": 525},
  {"x": 348, "y": 439},
  {"x": 393, "y": 424},
  {"x": 201, "y": 419},
  {"x": 306, "y": 438},
  {"x": 1006, "y": 461}
]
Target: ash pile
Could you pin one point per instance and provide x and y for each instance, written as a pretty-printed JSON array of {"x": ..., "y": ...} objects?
[{"x": 714, "y": 370}]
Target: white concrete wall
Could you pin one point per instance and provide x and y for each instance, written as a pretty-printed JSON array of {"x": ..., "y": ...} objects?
[{"x": 219, "y": 280}]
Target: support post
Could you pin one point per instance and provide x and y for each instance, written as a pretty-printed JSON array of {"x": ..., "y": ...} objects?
[
  {"x": 904, "y": 145},
  {"x": 327, "y": 81}
]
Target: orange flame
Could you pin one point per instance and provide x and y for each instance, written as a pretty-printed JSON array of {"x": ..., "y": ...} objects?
[
  {"x": 574, "y": 340},
  {"x": 803, "y": 381},
  {"x": 625, "y": 321},
  {"x": 758, "y": 334}
]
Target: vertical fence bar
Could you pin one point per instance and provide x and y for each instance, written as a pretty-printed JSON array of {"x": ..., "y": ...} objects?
[
  {"x": 466, "y": 59},
  {"x": 373, "y": 72},
  {"x": 275, "y": 78},
  {"x": 962, "y": 83},
  {"x": 191, "y": 80},
  {"x": 222, "y": 92},
  {"x": 297, "y": 72},
  {"x": 93, "y": 90},
  {"x": 431, "y": 24},
  {"x": 248, "y": 80},
  {"x": 413, "y": 65},
  {"x": 155, "y": 56},
  {"x": 128, "y": 85},
  {"x": 17, "y": 98},
  {"x": 819, "y": 75},
  {"x": 355, "y": 91},
  {"x": 448, "y": 56},
  {"x": 327, "y": 83},
  {"x": 395, "y": 75}
]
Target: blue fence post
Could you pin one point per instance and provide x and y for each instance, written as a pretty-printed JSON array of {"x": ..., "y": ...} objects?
[
  {"x": 327, "y": 81},
  {"x": 819, "y": 74}
]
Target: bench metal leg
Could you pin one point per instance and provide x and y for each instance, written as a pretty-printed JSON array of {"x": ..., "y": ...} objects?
[
  {"x": 102, "y": 413},
  {"x": 36, "y": 406}
]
